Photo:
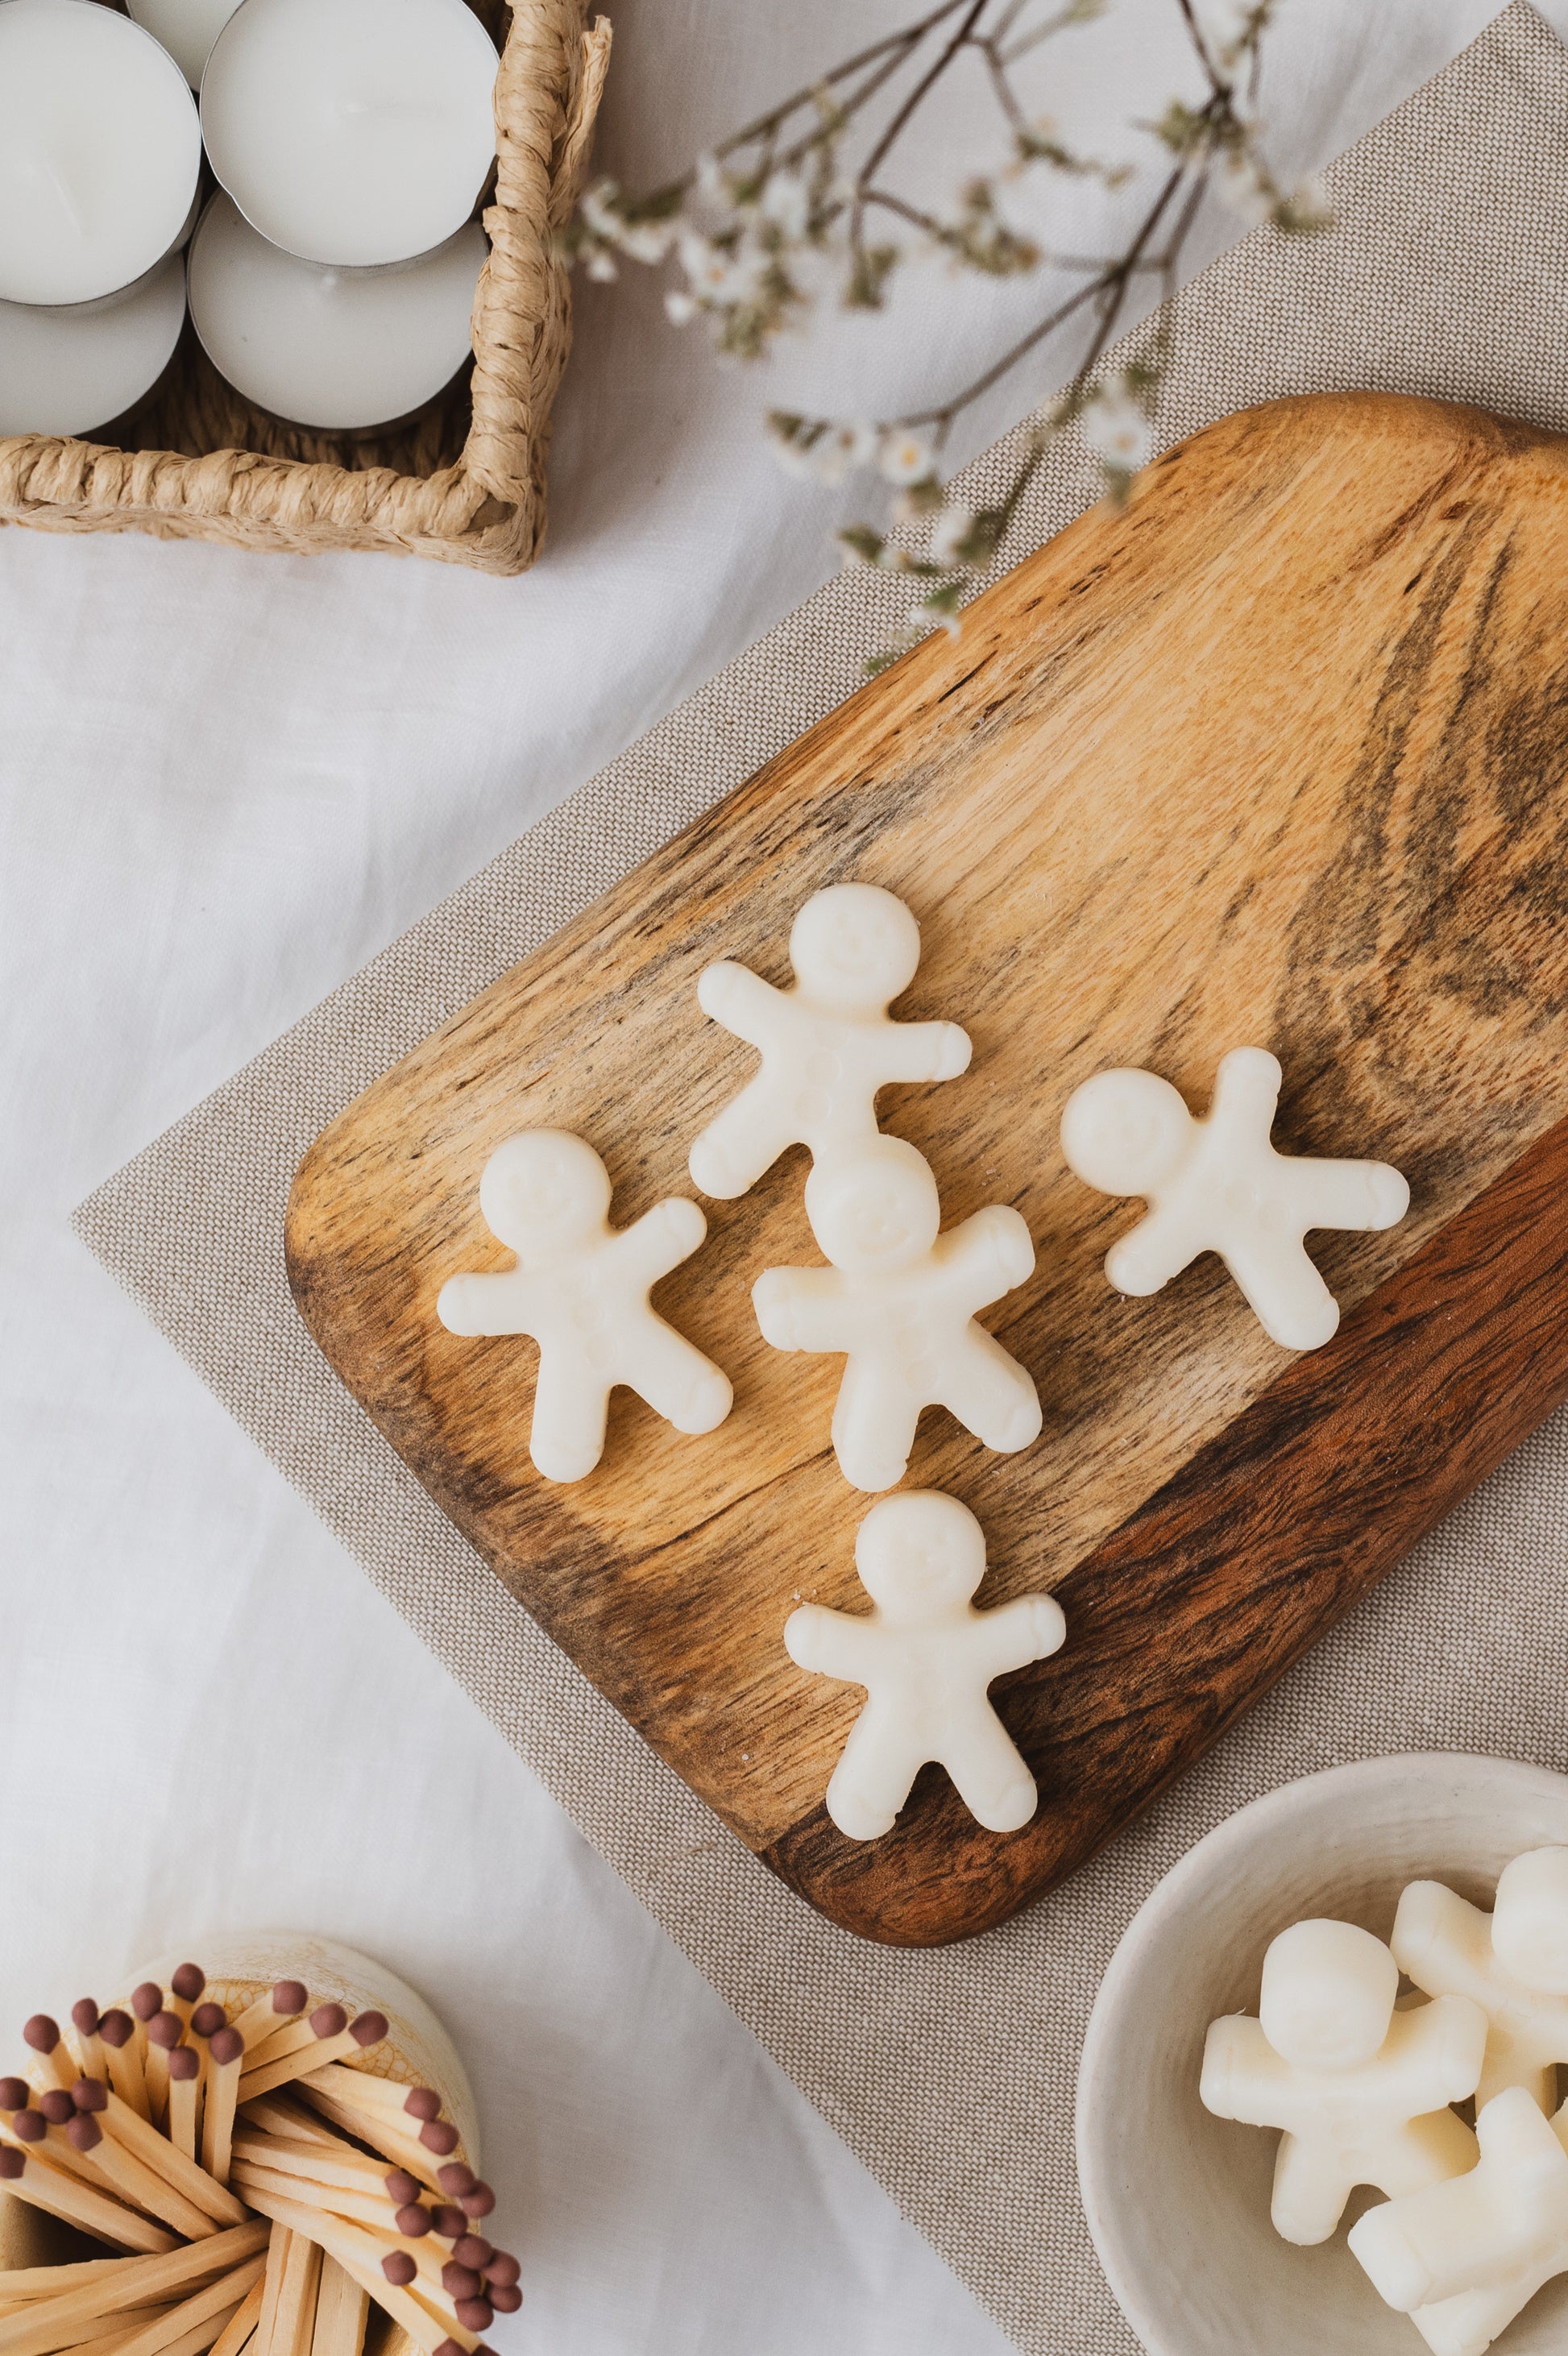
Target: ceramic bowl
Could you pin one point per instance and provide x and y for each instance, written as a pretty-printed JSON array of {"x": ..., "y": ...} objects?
[{"x": 1177, "y": 2201}]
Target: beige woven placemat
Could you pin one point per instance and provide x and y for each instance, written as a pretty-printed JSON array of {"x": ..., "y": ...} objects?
[{"x": 949, "y": 2074}]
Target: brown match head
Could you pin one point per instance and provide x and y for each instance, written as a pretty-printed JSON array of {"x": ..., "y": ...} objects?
[
  {"x": 460, "y": 2281},
  {"x": 470, "y": 2251},
  {"x": 423, "y": 2102},
  {"x": 184, "y": 2063},
  {"x": 290, "y": 1998},
  {"x": 399, "y": 2267},
  {"x": 505, "y": 2297},
  {"x": 475, "y": 2314},
  {"x": 369, "y": 2029},
  {"x": 450, "y": 2223},
  {"x": 14, "y": 2093},
  {"x": 29, "y": 2126},
  {"x": 165, "y": 2030},
  {"x": 502, "y": 2271},
  {"x": 478, "y": 2203},
  {"x": 116, "y": 2029},
  {"x": 208, "y": 2019},
  {"x": 11, "y": 2164},
  {"x": 455, "y": 2179},
  {"x": 328, "y": 2020},
  {"x": 451, "y": 2347},
  {"x": 403, "y": 2188},
  {"x": 89, "y": 2095},
  {"x": 56, "y": 2106},
  {"x": 85, "y": 2017},
  {"x": 226, "y": 2047},
  {"x": 85, "y": 2133},
  {"x": 412, "y": 2222},
  {"x": 41, "y": 2033},
  {"x": 187, "y": 1982},
  {"x": 146, "y": 2000},
  {"x": 439, "y": 2136}
]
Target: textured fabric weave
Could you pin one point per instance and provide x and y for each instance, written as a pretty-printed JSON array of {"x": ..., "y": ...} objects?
[{"x": 949, "y": 2074}]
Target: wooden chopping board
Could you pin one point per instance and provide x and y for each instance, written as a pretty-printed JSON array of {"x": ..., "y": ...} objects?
[{"x": 1276, "y": 755}]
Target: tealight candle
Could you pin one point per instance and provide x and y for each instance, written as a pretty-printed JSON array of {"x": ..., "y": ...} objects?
[
  {"x": 100, "y": 148},
  {"x": 352, "y": 131},
  {"x": 65, "y": 369},
  {"x": 341, "y": 350},
  {"x": 186, "y": 29}
]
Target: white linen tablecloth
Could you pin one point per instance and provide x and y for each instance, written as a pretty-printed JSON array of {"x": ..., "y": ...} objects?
[{"x": 225, "y": 781}]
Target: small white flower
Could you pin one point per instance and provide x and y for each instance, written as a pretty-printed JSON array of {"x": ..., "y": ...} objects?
[
  {"x": 1116, "y": 426},
  {"x": 712, "y": 186},
  {"x": 601, "y": 265},
  {"x": 840, "y": 449},
  {"x": 950, "y": 528},
  {"x": 596, "y": 210},
  {"x": 785, "y": 203},
  {"x": 904, "y": 455},
  {"x": 648, "y": 240},
  {"x": 715, "y": 276},
  {"x": 680, "y": 309}
]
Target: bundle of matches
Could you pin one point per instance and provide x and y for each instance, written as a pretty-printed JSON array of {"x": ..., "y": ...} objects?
[{"x": 252, "y": 2221}]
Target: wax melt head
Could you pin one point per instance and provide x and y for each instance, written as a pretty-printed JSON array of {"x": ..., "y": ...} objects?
[
  {"x": 876, "y": 1211},
  {"x": 1529, "y": 1926},
  {"x": 920, "y": 1555},
  {"x": 1123, "y": 1133},
  {"x": 545, "y": 1188},
  {"x": 855, "y": 947},
  {"x": 1329, "y": 1995}
]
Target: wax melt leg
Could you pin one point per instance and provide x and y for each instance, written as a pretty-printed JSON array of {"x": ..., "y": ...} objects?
[
  {"x": 871, "y": 1779},
  {"x": 995, "y": 1398},
  {"x": 570, "y": 1407},
  {"x": 677, "y": 1382},
  {"x": 874, "y": 1428},
  {"x": 1467, "y": 2326},
  {"x": 745, "y": 1141},
  {"x": 990, "y": 1777},
  {"x": 1286, "y": 1295},
  {"x": 1310, "y": 2193}
]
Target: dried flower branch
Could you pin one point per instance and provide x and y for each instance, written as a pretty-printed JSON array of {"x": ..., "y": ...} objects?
[{"x": 794, "y": 203}]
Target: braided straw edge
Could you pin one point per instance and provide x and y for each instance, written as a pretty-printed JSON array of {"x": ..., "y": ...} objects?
[{"x": 488, "y": 510}]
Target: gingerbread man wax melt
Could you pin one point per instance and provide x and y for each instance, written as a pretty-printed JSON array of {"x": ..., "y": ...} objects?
[
  {"x": 827, "y": 1045},
  {"x": 1513, "y": 1963},
  {"x": 580, "y": 1289}
]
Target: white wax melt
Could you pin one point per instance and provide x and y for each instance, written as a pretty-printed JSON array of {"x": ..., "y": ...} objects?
[
  {"x": 186, "y": 29},
  {"x": 1463, "y": 2258},
  {"x": 926, "y": 1658},
  {"x": 827, "y": 1045},
  {"x": 67, "y": 370},
  {"x": 1513, "y": 1963},
  {"x": 100, "y": 148},
  {"x": 342, "y": 351},
  {"x": 352, "y": 131},
  {"x": 580, "y": 1289},
  {"x": 1219, "y": 1185},
  {"x": 1358, "y": 2088},
  {"x": 899, "y": 1301}
]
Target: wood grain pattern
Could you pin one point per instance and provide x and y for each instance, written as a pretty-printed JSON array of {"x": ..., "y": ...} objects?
[{"x": 1276, "y": 754}]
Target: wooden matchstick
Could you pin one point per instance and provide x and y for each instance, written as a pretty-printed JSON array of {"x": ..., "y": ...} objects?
[
  {"x": 225, "y": 2058},
  {"x": 368, "y": 2209},
  {"x": 340, "y": 2164},
  {"x": 146, "y": 2001},
  {"x": 290, "y": 2038},
  {"x": 66, "y": 2197},
  {"x": 166, "y": 2031},
  {"x": 272, "y": 2290},
  {"x": 136, "y": 2282},
  {"x": 184, "y": 2100},
  {"x": 332, "y": 2036},
  {"x": 123, "y": 2049},
  {"x": 155, "y": 2151},
  {"x": 51, "y": 2064},
  {"x": 19, "y": 2284},
  {"x": 283, "y": 2003},
  {"x": 184, "y": 1988},
  {"x": 295, "y": 2325},
  {"x": 87, "y": 2021},
  {"x": 242, "y": 2323},
  {"x": 278, "y": 2114},
  {"x": 402, "y": 2150},
  {"x": 342, "y": 2306},
  {"x": 134, "y": 2181},
  {"x": 217, "y": 2300}
]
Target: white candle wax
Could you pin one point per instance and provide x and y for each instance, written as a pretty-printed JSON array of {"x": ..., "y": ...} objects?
[
  {"x": 65, "y": 370},
  {"x": 352, "y": 131},
  {"x": 100, "y": 148},
  {"x": 341, "y": 350},
  {"x": 186, "y": 29}
]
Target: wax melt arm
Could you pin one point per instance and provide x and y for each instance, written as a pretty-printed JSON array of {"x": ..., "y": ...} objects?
[
  {"x": 795, "y": 1308},
  {"x": 732, "y": 994},
  {"x": 927, "y": 1051},
  {"x": 1008, "y": 1240},
  {"x": 1446, "y": 2037},
  {"x": 1247, "y": 1085},
  {"x": 1029, "y": 1629},
  {"x": 832, "y": 1644},
  {"x": 662, "y": 1238},
  {"x": 1431, "y": 1920},
  {"x": 1146, "y": 1258},
  {"x": 1354, "y": 1196},
  {"x": 1238, "y": 2061},
  {"x": 479, "y": 1304}
]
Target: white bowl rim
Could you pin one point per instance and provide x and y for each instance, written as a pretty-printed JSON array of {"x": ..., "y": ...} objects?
[{"x": 1165, "y": 1897}]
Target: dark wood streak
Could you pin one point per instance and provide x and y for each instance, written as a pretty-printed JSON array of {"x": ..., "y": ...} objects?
[{"x": 1267, "y": 1537}]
